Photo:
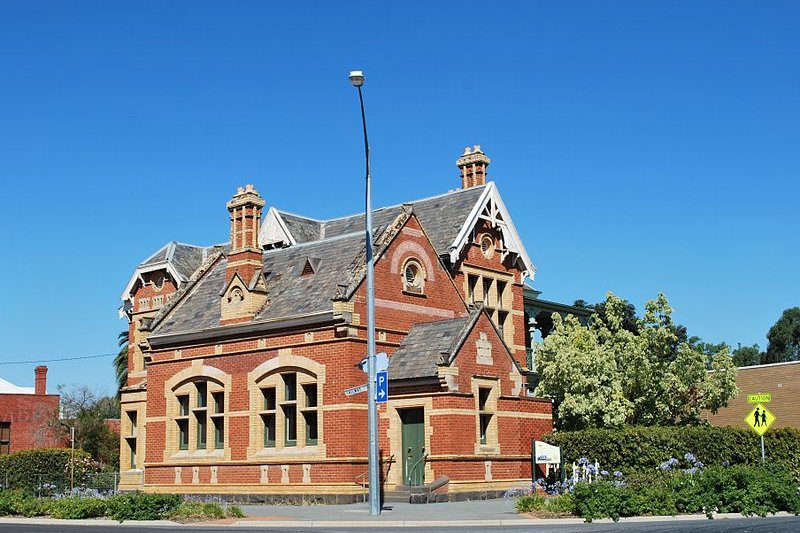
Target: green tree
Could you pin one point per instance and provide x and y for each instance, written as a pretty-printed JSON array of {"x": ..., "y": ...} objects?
[
  {"x": 784, "y": 338},
  {"x": 608, "y": 374},
  {"x": 121, "y": 361},
  {"x": 87, "y": 413},
  {"x": 748, "y": 355}
]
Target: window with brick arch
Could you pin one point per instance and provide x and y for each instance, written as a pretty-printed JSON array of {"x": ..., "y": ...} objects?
[
  {"x": 289, "y": 410},
  {"x": 199, "y": 407},
  {"x": 413, "y": 277}
]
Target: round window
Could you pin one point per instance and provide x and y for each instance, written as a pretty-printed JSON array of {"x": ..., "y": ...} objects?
[{"x": 487, "y": 246}]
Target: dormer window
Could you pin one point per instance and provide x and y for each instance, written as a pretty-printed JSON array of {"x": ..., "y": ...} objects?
[{"x": 413, "y": 277}]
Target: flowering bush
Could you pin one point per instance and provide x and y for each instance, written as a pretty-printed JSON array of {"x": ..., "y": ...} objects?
[
  {"x": 639, "y": 448},
  {"x": 736, "y": 489}
]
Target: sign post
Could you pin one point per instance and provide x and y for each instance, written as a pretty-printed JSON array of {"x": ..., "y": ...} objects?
[
  {"x": 760, "y": 419},
  {"x": 545, "y": 454}
]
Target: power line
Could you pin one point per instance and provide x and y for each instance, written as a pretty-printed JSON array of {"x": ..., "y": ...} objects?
[{"x": 57, "y": 360}]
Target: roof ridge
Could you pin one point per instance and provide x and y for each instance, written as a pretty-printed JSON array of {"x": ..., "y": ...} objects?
[
  {"x": 454, "y": 191},
  {"x": 317, "y": 242},
  {"x": 284, "y": 212}
]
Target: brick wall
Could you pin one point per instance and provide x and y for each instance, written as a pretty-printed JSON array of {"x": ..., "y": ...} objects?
[
  {"x": 30, "y": 416},
  {"x": 782, "y": 380}
]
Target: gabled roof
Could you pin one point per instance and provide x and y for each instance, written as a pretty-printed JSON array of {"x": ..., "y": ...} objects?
[
  {"x": 426, "y": 345},
  {"x": 442, "y": 216},
  {"x": 181, "y": 260},
  {"x": 338, "y": 269},
  {"x": 302, "y": 229},
  {"x": 448, "y": 220},
  {"x": 437, "y": 343},
  {"x": 290, "y": 294}
]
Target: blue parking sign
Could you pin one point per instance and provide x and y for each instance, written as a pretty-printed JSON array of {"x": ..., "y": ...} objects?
[{"x": 382, "y": 389}]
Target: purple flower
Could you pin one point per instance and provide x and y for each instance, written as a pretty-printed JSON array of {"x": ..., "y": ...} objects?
[
  {"x": 726, "y": 463},
  {"x": 617, "y": 474},
  {"x": 690, "y": 458},
  {"x": 604, "y": 472},
  {"x": 668, "y": 465},
  {"x": 583, "y": 461}
]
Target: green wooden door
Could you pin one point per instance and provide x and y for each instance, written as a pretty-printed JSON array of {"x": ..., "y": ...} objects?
[{"x": 413, "y": 445}]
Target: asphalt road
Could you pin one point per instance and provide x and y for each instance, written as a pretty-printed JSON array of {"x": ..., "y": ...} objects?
[{"x": 736, "y": 525}]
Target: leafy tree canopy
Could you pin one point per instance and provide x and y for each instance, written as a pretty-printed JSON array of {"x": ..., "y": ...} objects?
[
  {"x": 622, "y": 370},
  {"x": 784, "y": 338},
  {"x": 87, "y": 413}
]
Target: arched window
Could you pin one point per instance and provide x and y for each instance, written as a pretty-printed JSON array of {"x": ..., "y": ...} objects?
[
  {"x": 413, "y": 277},
  {"x": 487, "y": 246},
  {"x": 200, "y": 415},
  {"x": 289, "y": 403}
]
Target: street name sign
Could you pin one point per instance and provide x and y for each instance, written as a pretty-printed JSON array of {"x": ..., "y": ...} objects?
[
  {"x": 759, "y": 398},
  {"x": 760, "y": 419},
  {"x": 381, "y": 363},
  {"x": 382, "y": 389},
  {"x": 355, "y": 390}
]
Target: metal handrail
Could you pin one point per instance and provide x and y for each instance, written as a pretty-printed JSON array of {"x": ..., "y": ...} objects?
[
  {"x": 413, "y": 468},
  {"x": 364, "y": 484}
]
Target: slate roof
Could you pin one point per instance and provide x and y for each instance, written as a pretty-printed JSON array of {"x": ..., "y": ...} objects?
[
  {"x": 303, "y": 229},
  {"x": 441, "y": 217},
  {"x": 186, "y": 258},
  {"x": 289, "y": 293},
  {"x": 427, "y": 344}
]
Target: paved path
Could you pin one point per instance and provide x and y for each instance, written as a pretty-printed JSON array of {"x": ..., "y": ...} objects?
[{"x": 494, "y": 510}]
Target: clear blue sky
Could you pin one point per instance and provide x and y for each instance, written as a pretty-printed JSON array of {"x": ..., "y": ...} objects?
[{"x": 641, "y": 146}]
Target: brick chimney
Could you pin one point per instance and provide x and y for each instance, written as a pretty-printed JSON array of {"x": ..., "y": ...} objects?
[
  {"x": 472, "y": 165},
  {"x": 245, "y": 215},
  {"x": 40, "y": 384}
]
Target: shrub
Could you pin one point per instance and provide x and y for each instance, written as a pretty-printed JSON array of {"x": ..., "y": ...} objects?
[
  {"x": 644, "y": 448},
  {"x": 234, "y": 511},
  {"x": 141, "y": 506},
  {"x": 564, "y": 504},
  {"x": 28, "y": 506},
  {"x": 77, "y": 507},
  {"x": 193, "y": 511},
  {"x": 737, "y": 489},
  {"x": 45, "y": 471},
  {"x": 8, "y": 500}
]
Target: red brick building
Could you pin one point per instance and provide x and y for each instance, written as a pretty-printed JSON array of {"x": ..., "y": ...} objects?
[
  {"x": 240, "y": 353},
  {"x": 26, "y": 415}
]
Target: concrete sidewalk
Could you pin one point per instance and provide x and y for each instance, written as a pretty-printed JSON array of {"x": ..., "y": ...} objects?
[{"x": 484, "y": 513}]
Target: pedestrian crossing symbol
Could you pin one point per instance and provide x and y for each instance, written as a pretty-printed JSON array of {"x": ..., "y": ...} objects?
[{"x": 760, "y": 419}]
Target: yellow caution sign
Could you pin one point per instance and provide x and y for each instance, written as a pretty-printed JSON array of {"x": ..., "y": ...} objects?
[{"x": 760, "y": 419}]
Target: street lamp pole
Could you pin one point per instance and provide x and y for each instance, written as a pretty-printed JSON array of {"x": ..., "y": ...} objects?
[{"x": 357, "y": 79}]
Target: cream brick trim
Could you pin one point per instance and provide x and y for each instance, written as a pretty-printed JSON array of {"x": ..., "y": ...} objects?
[
  {"x": 345, "y": 407},
  {"x": 535, "y": 416},
  {"x": 273, "y": 488},
  {"x": 126, "y": 430},
  {"x": 395, "y": 434},
  {"x": 183, "y": 383},
  {"x": 492, "y": 444},
  {"x": 268, "y": 373},
  {"x": 133, "y": 397}
]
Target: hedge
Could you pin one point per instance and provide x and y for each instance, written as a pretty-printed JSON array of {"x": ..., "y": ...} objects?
[
  {"x": 643, "y": 448},
  {"x": 736, "y": 489},
  {"x": 44, "y": 471}
]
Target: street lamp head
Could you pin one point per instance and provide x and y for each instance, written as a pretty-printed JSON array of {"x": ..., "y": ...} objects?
[{"x": 357, "y": 78}]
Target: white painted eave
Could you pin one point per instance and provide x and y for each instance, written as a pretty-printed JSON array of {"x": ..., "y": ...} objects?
[{"x": 514, "y": 243}]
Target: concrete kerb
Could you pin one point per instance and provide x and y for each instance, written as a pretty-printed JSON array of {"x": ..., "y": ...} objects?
[{"x": 373, "y": 523}]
